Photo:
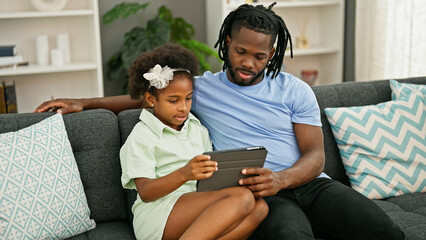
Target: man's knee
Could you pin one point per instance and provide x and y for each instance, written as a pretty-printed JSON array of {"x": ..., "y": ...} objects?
[
  {"x": 386, "y": 229},
  {"x": 284, "y": 226},
  {"x": 281, "y": 231},
  {"x": 293, "y": 232},
  {"x": 394, "y": 232}
]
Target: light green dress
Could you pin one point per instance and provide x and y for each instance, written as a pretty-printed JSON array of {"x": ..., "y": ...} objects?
[{"x": 154, "y": 150}]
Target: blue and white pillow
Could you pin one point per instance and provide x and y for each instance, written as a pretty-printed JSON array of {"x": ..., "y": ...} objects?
[
  {"x": 383, "y": 147},
  {"x": 41, "y": 194},
  {"x": 400, "y": 90}
]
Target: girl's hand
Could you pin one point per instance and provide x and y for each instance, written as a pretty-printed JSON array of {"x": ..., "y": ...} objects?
[{"x": 200, "y": 167}]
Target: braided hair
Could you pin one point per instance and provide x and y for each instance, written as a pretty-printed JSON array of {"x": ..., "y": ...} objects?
[{"x": 259, "y": 19}]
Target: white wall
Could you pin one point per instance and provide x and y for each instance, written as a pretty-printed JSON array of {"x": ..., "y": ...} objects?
[{"x": 112, "y": 35}]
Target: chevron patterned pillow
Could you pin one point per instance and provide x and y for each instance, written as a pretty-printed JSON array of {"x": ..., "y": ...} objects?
[
  {"x": 41, "y": 194},
  {"x": 383, "y": 147},
  {"x": 400, "y": 90}
]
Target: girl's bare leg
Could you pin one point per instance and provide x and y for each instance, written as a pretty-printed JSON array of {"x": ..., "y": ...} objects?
[
  {"x": 254, "y": 219},
  {"x": 213, "y": 215}
]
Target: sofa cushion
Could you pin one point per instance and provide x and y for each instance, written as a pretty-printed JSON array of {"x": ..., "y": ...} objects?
[
  {"x": 108, "y": 230},
  {"x": 383, "y": 146},
  {"x": 41, "y": 192},
  {"x": 408, "y": 211},
  {"x": 346, "y": 95},
  {"x": 400, "y": 90},
  {"x": 95, "y": 140}
]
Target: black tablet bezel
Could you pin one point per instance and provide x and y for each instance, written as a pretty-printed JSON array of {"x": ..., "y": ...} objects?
[{"x": 230, "y": 164}]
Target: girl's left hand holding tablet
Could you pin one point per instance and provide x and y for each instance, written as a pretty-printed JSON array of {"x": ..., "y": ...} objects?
[{"x": 199, "y": 167}]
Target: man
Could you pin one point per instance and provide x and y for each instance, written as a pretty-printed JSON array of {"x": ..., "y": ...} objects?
[{"x": 252, "y": 103}]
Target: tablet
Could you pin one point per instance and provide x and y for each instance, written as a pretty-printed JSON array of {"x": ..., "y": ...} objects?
[{"x": 230, "y": 163}]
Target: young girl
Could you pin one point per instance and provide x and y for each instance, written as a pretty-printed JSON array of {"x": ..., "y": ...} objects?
[{"x": 162, "y": 159}]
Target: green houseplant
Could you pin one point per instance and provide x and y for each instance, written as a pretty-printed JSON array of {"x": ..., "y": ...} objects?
[{"x": 156, "y": 31}]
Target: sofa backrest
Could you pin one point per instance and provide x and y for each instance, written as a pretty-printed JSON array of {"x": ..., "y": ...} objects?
[
  {"x": 346, "y": 95},
  {"x": 127, "y": 120},
  {"x": 95, "y": 140}
]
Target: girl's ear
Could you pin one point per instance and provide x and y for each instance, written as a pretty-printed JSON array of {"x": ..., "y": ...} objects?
[{"x": 150, "y": 99}]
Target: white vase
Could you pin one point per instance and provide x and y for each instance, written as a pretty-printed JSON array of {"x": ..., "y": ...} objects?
[
  {"x": 63, "y": 43},
  {"x": 56, "y": 57},
  {"x": 49, "y": 5},
  {"x": 42, "y": 49}
]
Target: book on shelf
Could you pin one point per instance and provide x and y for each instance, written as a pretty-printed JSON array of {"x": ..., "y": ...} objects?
[
  {"x": 10, "y": 96},
  {"x": 11, "y": 60},
  {"x": 14, "y": 65},
  {"x": 7, "y": 50},
  {"x": 3, "y": 108}
]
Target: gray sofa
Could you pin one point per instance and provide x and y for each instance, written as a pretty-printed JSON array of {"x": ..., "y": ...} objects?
[{"x": 96, "y": 137}]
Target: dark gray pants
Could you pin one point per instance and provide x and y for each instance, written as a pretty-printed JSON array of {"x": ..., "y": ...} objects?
[{"x": 325, "y": 208}]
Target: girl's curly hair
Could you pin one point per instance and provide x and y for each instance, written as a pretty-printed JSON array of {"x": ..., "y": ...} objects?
[{"x": 169, "y": 54}]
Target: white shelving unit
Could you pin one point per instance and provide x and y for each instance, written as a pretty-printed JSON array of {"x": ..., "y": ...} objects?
[
  {"x": 20, "y": 23},
  {"x": 325, "y": 31}
]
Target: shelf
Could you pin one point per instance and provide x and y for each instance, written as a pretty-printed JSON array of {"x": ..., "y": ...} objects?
[
  {"x": 290, "y": 4},
  {"x": 41, "y": 14},
  {"x": 312, "y": 51},
  {"x": 20, "y": 23},
  {"x": 44, "y": 69}
]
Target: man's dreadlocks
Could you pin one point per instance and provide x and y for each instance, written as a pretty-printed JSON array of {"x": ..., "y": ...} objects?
[{"x": 259, "y": 19}]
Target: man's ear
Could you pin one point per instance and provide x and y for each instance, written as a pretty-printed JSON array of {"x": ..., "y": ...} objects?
[
  {"x": 228, "y": 40},
  {"x": 271, "y": 53}
]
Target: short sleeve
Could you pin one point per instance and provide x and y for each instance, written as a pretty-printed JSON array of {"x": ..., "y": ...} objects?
[
  {"x": 137, "y": 160},
  {"x": 305, "y": 106}
]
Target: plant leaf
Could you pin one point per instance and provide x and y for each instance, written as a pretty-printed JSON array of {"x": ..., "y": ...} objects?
[
  {"x": 140, "y": 40},
  {"x": 179, "y": 27},
  {"x": 165, "y": 14},
  {"x": 115, "y": 67},
  {"x": 123, "y": 10},
  {"x": 159, "y": 31},
  {"x": 200, "y": 50}
]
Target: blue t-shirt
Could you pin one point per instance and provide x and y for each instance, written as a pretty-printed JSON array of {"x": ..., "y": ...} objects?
[{"x": 258, "y": 115}]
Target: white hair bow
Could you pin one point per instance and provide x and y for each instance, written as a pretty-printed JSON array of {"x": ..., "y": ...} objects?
[{"x": 159, "y": 77}]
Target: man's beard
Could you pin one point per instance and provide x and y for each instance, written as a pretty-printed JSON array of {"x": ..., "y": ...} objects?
[{"x": 242, "y": 83}]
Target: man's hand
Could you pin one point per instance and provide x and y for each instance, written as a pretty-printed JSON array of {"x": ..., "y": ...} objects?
[
  {"x": 114, "y": 103},
  {"x": 266, "y": 183},
  {"x": 62, "y": 106}
]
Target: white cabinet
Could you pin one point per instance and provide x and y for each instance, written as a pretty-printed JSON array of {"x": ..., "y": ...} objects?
[
  {"x": 324, "y": 30},
  {"x": 20, "y": 23}
]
